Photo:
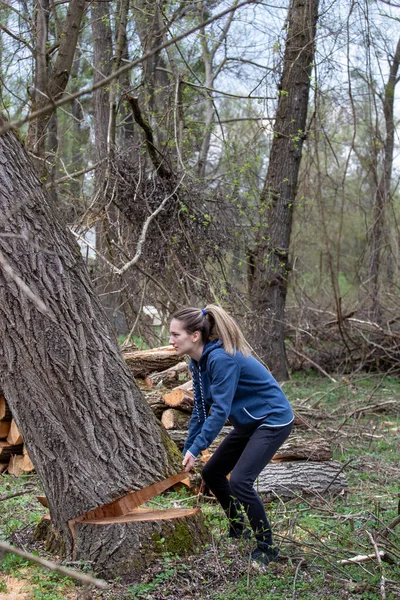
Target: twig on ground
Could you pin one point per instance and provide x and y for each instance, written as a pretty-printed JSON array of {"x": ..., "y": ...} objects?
[
  {"x": 85, "y": 579},
  {"x": 20, "y": 493},
  {"x": 337, "y": 475},
  {"x": 308, "y": 359},
  {"x": 295, "y": 577},
  {"x": 379, "y": 559},
  {"x": 360, "y": 558},
  {"x": 392, "y": 525}
]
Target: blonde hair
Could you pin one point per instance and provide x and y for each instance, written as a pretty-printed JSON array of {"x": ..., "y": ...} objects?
[{"x": 213, "y": 322}]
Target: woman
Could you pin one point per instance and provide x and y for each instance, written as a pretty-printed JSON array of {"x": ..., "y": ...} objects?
[{"x": 230, "y": 383}]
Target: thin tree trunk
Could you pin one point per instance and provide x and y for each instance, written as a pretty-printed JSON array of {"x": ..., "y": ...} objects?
[
  {"x": 269, "y": 260},
  {"x": 58, "y": 79},
  {"x": 378, "y": 235},
  {"x": 90, "y": 435},
  {"x": 38, "y": 144},
  {"x": 211, "y": 71},
  {"x": 156, "y": 97},
  {"x": 81, "y": 132},
  {"x": 102, "y": 57},
  {"x": 120, "y": 45},
  {"x": 105, "y": 227}
]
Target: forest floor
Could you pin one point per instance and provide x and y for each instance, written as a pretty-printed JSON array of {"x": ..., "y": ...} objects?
[{"x": 361, "y": 419}]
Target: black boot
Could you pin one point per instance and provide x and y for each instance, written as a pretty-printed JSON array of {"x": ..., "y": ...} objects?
[{"x": 265, "y": 553}]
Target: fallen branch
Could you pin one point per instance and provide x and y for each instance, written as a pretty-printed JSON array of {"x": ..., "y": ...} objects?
[
  {"x": 379, "y": 559},
  {"x": 361, "y": 558},
  {"x": 85, "y": 579},
  {"x": 21, "y": 493},
  {"x": 391, "y": 526},
  {"x": 302, "y": 560},
  {"x": 337, "y": 475},
  {"x": 316, "y": 365}
]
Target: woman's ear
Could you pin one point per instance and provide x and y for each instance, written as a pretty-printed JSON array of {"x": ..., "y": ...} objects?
[{"x": 196, "y": 336}]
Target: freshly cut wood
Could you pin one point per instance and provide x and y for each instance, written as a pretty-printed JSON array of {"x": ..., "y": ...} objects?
[
  {"x": 126, "y": 504},
  {"x": 156, "y": 403},
  {"x": 144, "y": 514},
  {"x": 169, "y": 374},
  {"x": 288, "y": 479},
  {"x": 4, "y": 429},
  {"x": 172, "y": 418},
  {"x": 298, "y": 447},
  {"x": 5, "y": 412},
  {"x": 6, "y": 450},
  {"x": 14, "y": 437},
  {"x": 43, "y": 501},
  {"x": 14, "y": 465},
  {"x": 144, "y": 362},
  {"x": 26, "y": 464},
  {"x": 180, "y": 397}
]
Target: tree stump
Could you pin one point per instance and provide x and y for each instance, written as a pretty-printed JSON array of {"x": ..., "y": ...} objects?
[{"x": 134, "y": 543}]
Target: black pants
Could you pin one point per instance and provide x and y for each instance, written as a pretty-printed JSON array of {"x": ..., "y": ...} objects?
[{"x": 244, "y": 456}]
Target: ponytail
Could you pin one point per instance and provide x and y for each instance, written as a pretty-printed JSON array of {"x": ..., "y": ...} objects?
[{"x": 213, "y": 322}]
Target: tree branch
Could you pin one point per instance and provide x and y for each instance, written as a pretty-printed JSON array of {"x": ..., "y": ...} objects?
[
  {"x": 85, "y": 579},
  {"x": 106, "y": 80},
  {"x": 148, "y": 132}
]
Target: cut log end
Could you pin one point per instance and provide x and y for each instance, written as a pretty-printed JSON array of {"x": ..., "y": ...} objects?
[
  {"x": 14, "y": 437},
  {"x": 144, "y": 514}
]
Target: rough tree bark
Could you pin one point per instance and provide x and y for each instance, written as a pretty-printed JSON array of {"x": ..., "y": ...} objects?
[
  {"x": 91, "y": 436},
  {"x": 269, "y": 259},
  {"x": 288, "y": 479}
]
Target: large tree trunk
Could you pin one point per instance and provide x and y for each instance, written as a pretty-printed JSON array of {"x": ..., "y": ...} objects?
[
  {"x": 269, "y": 261},
  {"x": 90, "y": 435}
]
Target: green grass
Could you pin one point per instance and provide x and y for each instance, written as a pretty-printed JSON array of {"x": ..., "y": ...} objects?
[{"x": 315, "y": 533}]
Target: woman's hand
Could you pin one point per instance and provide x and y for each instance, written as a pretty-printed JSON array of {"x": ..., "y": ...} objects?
[{"x": 188, "y": 462}]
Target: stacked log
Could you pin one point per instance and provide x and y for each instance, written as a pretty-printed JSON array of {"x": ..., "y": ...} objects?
[{"x": 13, "y": 455}]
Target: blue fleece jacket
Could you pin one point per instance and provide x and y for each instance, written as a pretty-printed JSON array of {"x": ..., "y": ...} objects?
[{"x": 236, "y": 387}]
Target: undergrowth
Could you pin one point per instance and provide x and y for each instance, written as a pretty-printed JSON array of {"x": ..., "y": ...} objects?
[{"x": 361, "y": 420}]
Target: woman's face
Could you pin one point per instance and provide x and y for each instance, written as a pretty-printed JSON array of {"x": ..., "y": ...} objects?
[{"x": 181, "y": 340}]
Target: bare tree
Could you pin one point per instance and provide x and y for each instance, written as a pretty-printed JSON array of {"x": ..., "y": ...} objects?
[{"x": 378, "y": 234}]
